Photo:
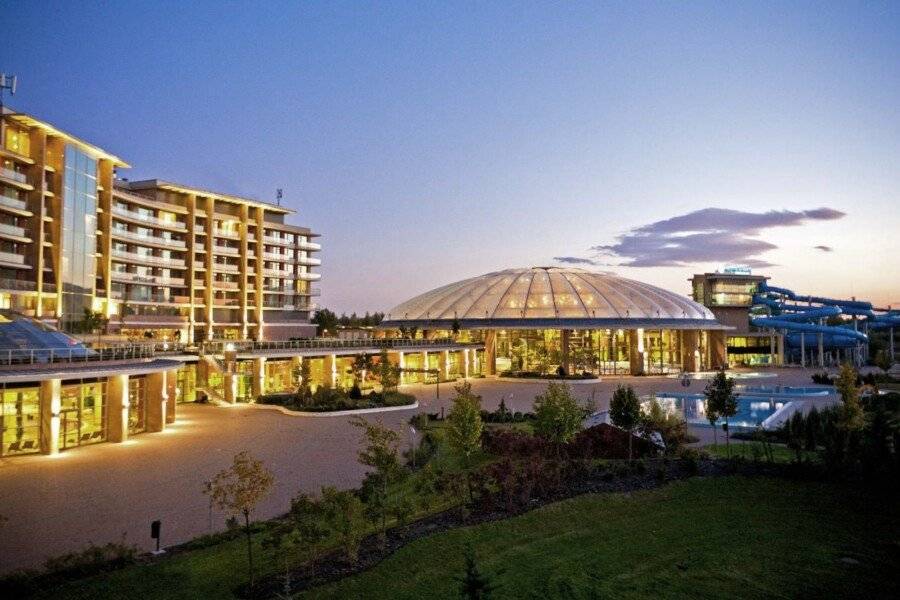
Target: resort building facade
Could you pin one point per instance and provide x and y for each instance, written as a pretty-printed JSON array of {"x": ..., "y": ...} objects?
[
  {"x": 181, "y": 263},
  {"x": 541, "y": 319}
]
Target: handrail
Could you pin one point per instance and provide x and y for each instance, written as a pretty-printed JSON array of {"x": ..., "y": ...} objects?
[
  {"x": 218, "y": 346},
  {"x": 73, "y": 354}
]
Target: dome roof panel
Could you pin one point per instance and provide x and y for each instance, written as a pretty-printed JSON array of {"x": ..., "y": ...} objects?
[{"x": 541, "y": 296}]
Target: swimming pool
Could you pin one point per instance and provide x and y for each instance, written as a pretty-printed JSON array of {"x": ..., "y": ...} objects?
[{"x": 751, "y": 411}]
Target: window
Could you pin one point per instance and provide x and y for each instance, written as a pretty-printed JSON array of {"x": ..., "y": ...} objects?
[
  {"x": 20, "y": 421},
  {"x": 18, "y": 141}
]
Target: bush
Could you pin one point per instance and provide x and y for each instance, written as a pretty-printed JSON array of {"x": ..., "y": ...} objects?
[
  {"x": 606, "y": 441},
  {"x": 327, "y": 399}
]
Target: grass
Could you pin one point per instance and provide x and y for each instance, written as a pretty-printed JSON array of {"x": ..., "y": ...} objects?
[
  {"x": 780, "y": 452},
  {"x": 700, "y": 538}
]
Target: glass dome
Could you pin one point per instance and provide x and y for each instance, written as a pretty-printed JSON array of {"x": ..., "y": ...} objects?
[{"x": 550, "y": 297}]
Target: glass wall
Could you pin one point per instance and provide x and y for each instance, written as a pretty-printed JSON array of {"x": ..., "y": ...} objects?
[
  {"x": 749, "y": 351},
  {"x": 535, "y": 350},
  {"x": 137, "y": 405},
  {"x": 20, "y": 421},
  {"x": 83, "y": 413},
  {"x": 186, "y": 384},
  {"x": 662, "y": 351},
  {"x": 79, "y": 240},
  {"x": 278, "y": 376}
]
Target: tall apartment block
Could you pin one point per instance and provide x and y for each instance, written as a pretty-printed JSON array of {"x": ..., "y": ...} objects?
[{"x": 153, "y": 256}]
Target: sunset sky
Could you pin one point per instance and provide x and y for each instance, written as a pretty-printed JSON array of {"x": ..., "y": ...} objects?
[{"x": 433, "y": 142}]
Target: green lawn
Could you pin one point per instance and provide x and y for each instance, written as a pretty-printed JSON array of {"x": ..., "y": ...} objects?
[
  {"x": 701, "y": 538},
  {"x": 780, "y": 452}
]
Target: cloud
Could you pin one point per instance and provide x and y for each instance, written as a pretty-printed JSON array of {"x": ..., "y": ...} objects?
[
  {"x": 717, "y": 235},
  {"x": 576, "y": 260},
  {"x": 824, "y": 248}
]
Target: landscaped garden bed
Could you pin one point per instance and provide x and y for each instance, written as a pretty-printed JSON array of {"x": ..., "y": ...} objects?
[{"x": 333, "y": 400}]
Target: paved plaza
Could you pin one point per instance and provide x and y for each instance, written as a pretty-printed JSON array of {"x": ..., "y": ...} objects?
[{"x": 57, "y": 504}]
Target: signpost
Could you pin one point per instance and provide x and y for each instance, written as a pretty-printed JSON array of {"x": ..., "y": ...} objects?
[{"x": 155, "y": 528}]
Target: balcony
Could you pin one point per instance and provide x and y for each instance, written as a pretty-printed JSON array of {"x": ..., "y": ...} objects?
[
  {"x": 148, "y": 239},
  {"x": 226, "y": 250},
  {"x": 225, "y": 233},
  {"x": 147, "y": 279},
  {"x": 14, "y": 231},
  {"x": 14, "y": 203},
  {"x": 313, "y": 262},
  {"x": 156, "y": 260},
  {"x": 225, "y": 285},
  {"x": 309, "y": 276},
  {"x": 18, "y": 285},
  {"x": 13, "y": 175},
  {"x": 309, "y": 246},
  {"x": 199, "y": 265},
  {"x": 268, "y": 239},
  {"x": 310, "y": 292},
  {"x": 129, "y": 214},
  {"x": 226, "y": 268},
  {"x": 9, "y": 258},
  {"x": 278, "y": 257},
  {"x": 279, "y": 273}
]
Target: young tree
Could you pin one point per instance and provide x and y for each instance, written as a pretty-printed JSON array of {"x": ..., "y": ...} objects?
[
  {"x": 344, "y": 515},
  {"x": 474, "y": 584},
  {"x": 239, "y": 489},
  {"x": 303, "y": 529},
  {"x": 557, "y": 416},
  {"x": 92, "y": 321},
  {"x": 379, "y": 451},
  {"x": 721, "y": 399},
  {"x": 851, "y": 412},
  {"x": 362, "y": 364},
  {"x": 464, "y": 426},
  {"x": 625, "y": 412},
  {"x": 388, "y": 374}
]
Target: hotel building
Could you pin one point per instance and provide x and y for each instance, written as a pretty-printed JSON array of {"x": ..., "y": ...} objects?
[{"x": 183, "y": 263}]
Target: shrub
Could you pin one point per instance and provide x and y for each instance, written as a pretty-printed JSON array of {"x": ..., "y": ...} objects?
[{"x": 606, "y": 441}]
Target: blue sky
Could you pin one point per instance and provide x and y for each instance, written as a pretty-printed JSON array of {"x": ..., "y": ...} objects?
[{"x": 431, "y": 142}]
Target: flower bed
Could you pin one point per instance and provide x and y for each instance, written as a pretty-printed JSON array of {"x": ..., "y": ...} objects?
[{"x": 332, "y": 400}]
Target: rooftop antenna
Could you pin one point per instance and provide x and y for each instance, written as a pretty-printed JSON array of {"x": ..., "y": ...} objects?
[
  {"x": 7, "y": 82},
  {"x": 279, "y": 194}
]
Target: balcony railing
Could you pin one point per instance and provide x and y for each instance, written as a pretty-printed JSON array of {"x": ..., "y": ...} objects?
[
  {"x": 19, "y": 285},
  {"x": 9, "y": 257},
  {"x": 148, "y": 279},
  {"x": 309, "y": 260},
  {"x": 226, "y": 267},
  {"x": 13, "y": 230},
  {"x": 336, "y": 344},
  {"x": 149, "y": 239},
  {"x": 234, "y": 235},
  {"x": 118, "y": 210},
  {"x": 225, "y": 285},
  {"x": 157, "y": 260},
  {"x": 70, "y": 354},
  {"x": 226, "y": 250},
  {"x": 279, "y": 257},
  {"x": 11, "y": 202},
  {"x": 279, "y": 273},
  {"x": 14, "y": 175},
  {"x": 309, "y": 276},
  {"x": 309, "y": 246}
]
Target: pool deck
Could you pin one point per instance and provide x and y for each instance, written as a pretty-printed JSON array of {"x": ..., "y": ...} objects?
[{"x": 102, "y": 493}]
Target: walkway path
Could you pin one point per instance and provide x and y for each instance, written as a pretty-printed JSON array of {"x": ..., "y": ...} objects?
[{"x": 100, "y": 493}]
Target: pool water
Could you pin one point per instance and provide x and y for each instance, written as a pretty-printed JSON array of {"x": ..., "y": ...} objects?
[{"x": 751, "y": 411}]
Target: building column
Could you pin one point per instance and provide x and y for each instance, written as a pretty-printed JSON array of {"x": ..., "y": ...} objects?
[
  {"x": 490, "y": 352},
  {"x": 465, "y": 355},
  {"x": 50, "y": 405},
  {"x": 172, "y": 394},
  {"x": 690, "y": 345},
  {"x": 444, "y": 364},
  {"x": 156, "y": 401},
  {"x": 779, "y": 343},
  {"x": 636, "y": 351},
  {"x": 425, "y": 366},
  {"x": 718, "y": 349},
  {"x": 331, "y": 369},
  {"x": 564, "y": 336},
  {"x": 258, "y": 382},
  {"x": 401, "y": 364},
  {"x": 117, "y": 415}
]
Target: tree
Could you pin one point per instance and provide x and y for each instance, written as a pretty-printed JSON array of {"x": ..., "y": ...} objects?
[
  {"x": 721, "y": 399},
  {"x": 379, "y": 451},
  {"x": 344, "y": 515},
  {"x": 388, "y": 374},
  {"x": 845, "y": 384},
  {"x": 303, "y": 529},
  {"x": 557, "y": 416},
  {"x": 239, "y": 489},
  {"x": 474, "y": 584},
  {"x": 362, "y": 364},
  {"x": 625, "y": 412},
  {"x": 464, "y": 426},
  {"x": 92, "y": 321},
  {"x": 326, "y": 322}
]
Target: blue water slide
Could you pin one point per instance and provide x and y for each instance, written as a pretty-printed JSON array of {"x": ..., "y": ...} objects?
[{"x": 781, "y": 322}]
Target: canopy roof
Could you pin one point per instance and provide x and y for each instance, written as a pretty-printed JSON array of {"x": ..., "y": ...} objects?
[{"x": 547, "y": 297}]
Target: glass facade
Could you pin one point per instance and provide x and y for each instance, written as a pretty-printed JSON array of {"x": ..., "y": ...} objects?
[
  {"x": 83, "y": 414},
  {"x": 186, "y": 384},
  {"x": 137, "y": 405},
  {"x": 79, "y": 240},
  {"x": 20, "y": 421},
  {"x": 278, "y": 376},
  {"x": 749, "y": 351}
]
